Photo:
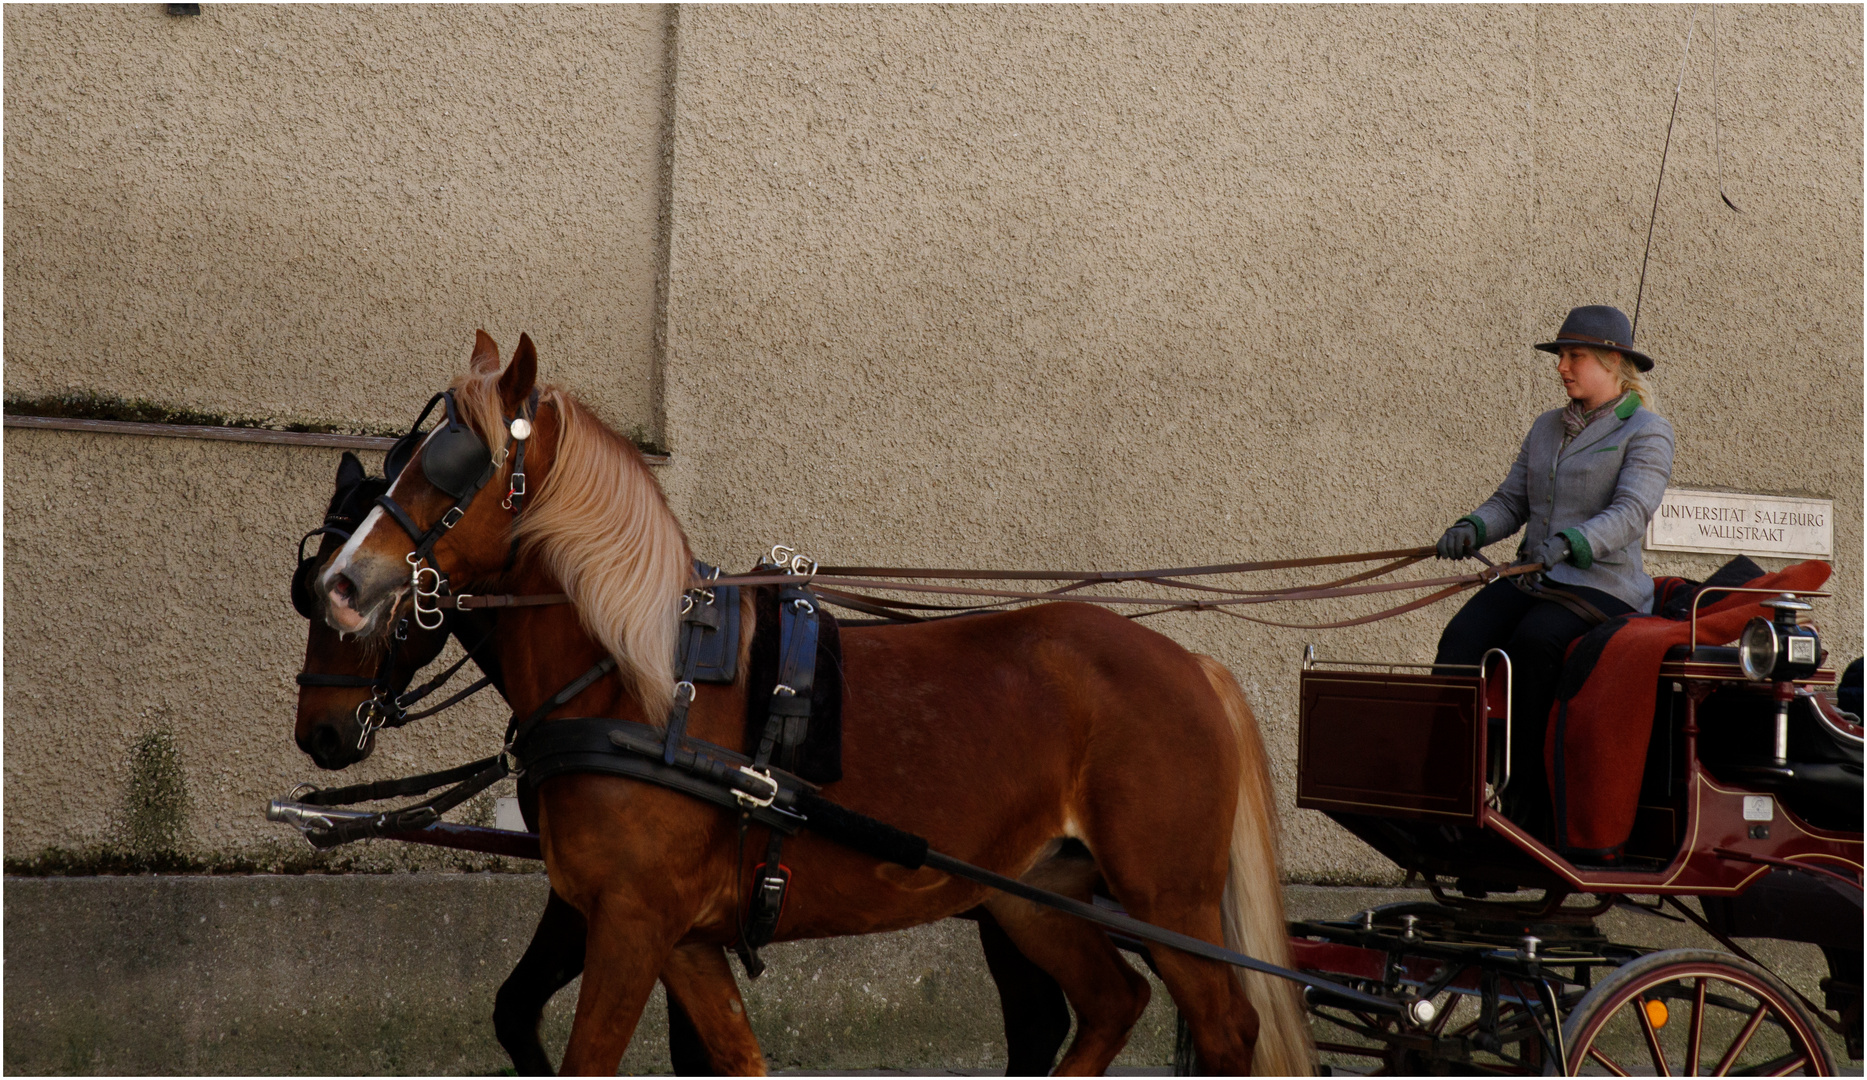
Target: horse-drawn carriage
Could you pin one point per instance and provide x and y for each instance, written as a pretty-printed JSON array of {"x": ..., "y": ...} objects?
[
  {"x": 1742, "y": 788},
  {"x": 1748, "y": 798}
]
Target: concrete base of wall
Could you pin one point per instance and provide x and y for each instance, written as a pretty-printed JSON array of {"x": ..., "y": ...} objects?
[{"x": 388, "y": 974}]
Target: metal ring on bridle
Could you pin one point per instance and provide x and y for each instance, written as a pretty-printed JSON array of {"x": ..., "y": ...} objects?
[{"x": 371, "y": 718}]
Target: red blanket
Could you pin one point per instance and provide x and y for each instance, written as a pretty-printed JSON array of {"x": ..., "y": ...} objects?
[{"x": 1603, "y": 726}]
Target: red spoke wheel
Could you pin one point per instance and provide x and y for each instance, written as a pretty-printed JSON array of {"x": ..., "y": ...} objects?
[{"x": 1693, "y": 1012}]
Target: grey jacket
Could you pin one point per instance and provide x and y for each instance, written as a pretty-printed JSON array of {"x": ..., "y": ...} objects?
[{"x": 1598, "y": 494}]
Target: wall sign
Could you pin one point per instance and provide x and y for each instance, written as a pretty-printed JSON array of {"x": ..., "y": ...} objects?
[{"x": 1729, "y": 523}]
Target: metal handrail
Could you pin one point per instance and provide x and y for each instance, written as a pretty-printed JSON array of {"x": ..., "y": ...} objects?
[
  {"x": 1510, "y": 688},
  {"x": 1704, "y": 592}
]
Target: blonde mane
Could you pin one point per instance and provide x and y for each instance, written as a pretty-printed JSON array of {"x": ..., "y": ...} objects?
[{"x": 601, "y": 525}]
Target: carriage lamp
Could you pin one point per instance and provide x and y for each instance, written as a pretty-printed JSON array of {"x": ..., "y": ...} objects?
[{"x": 1780, "y": 650}]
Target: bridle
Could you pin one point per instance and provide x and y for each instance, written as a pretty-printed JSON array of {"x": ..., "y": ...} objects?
[
  {"x": 384, "y": 707},
  {"x": 458, "y": 463}
]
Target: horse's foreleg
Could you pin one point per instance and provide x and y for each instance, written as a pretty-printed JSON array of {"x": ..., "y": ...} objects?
[
  {"x": 551, "y": 961},
  {"x": 627, "y": 948},
  {"x": 699, "y": 978},
  {"x": 1037, "y": 1019}
]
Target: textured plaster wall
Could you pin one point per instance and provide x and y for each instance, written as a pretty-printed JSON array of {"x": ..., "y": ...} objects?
[
  {"x": 303, "y": 212},
  {"x": 1090, "y": 287},
  {"x": 1076, "y": 287},
  {"x": 147, "y": 591}
]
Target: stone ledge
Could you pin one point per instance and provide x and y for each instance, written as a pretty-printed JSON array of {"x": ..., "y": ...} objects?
[{"x": 385, "y": 974}]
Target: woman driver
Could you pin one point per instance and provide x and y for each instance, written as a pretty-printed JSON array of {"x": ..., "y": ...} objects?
[{"x": 1585, "y": 483}]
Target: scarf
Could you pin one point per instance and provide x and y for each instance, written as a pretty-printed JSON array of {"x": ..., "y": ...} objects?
[{"x": 1577, "y": 417}]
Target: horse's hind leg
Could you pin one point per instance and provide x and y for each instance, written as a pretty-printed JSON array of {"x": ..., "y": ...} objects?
[
  {"x": 551, "y": 961},
  {"x": 1107, "y": 994},
  {"x": 1208, "y": 994},
  {"x": 1037, "y": 1019},
  {"x": 1175, "y": 887},
  {"x": 701, "y": 986}
]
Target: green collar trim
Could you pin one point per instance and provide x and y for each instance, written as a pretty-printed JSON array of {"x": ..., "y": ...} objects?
[{"x": 1629, "y": 403}]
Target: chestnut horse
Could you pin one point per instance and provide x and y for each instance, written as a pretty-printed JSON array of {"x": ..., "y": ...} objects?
[
  {"x": 328, "y": 729},
  {"x": 997, "y": 737}
]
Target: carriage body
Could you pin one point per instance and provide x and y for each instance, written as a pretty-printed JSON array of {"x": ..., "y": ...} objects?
[{"x": 1413, "y": 761}]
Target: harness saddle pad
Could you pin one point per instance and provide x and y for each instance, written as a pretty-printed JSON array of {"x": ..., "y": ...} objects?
[{"x": 820, "y": 758}]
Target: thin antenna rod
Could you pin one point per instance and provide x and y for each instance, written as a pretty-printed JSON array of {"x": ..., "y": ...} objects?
[{"x": 1654, "y": 216}]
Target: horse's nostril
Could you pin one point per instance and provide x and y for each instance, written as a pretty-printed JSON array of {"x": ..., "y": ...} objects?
[
  {"x": 343, "y": 587},
  {"x": 325, "y": 745}
]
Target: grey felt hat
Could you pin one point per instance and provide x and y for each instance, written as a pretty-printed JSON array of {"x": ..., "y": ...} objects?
[{"x": 1599, "y": 326}]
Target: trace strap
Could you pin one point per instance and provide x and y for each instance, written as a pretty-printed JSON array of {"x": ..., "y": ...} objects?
[{"x": 787, "y": 723}]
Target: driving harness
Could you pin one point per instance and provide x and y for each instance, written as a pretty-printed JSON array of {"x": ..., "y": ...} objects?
[
  {"x": 763, "y": 787},
  {"x": 709, "y": 653}
]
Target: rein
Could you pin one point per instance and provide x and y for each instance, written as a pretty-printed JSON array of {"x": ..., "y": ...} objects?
[{"x": 837, "y": 584}]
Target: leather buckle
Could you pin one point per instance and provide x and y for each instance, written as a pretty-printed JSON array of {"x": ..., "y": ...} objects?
[{"x": 756, "y": 802}]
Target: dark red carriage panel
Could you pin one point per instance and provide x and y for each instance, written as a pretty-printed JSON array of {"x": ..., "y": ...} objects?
[{"x": 1391, "y": 745}]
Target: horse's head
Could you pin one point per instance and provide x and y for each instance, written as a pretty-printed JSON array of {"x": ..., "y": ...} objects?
[
  {"x": 453, "y": 492},
  {"x": 457, "y": 518},
  {"x": 344, "y": 678}
]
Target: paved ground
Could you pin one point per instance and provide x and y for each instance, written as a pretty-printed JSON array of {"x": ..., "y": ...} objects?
[{"x": 395, "y": 974}]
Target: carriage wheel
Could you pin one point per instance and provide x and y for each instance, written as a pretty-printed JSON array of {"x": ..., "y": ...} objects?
[{"x": 1691, "y": 1012}]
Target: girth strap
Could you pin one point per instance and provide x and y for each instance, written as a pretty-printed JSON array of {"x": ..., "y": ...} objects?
[
  {"x": 709, "y": 650},
  {"x": 787, "y": 722},
  {"x": 788, "y": 714}
]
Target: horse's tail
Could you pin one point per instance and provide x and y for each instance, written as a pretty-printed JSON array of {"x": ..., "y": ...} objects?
[{"x": 1254, "y": 901}]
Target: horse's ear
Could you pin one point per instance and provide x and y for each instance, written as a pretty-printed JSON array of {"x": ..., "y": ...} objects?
[
  {"x": 485, "y": 353},
  {"x": 516, "y": 384},
  {"x": 350, "y": 471}
]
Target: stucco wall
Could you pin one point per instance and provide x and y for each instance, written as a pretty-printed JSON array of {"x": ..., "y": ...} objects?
[
  {"x": 302, "y": 213},
  {"x": 1155, "y": 287},
  {"x": 1078, "y": 287}
]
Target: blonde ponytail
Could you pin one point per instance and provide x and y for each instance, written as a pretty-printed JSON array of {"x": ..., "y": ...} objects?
[{"x": 1624, "y": 370}]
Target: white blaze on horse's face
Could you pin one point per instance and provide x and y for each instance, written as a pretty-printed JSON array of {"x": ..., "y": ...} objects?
[{"x": 354, "y": 584}]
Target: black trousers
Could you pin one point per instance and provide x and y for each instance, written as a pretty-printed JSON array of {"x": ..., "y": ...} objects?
[{"x": 1536, "y": 633}]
